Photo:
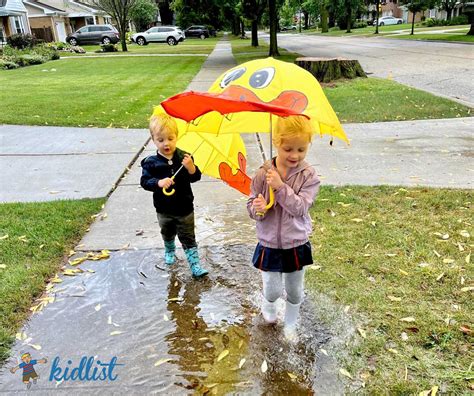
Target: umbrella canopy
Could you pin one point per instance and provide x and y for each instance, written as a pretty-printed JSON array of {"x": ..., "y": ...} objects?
[{"x": 242, "y": 98}]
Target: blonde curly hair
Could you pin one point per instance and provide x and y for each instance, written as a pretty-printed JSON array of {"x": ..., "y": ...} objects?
[
  {"x": 288, "y": 128},
  {"x": 161, "y": 123}
]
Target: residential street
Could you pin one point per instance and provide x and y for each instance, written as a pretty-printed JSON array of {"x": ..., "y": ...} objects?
[{"x": 444, "y": 69}]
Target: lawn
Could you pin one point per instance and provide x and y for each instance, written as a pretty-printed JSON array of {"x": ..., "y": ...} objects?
[
  {"x": 398, "y": 261},
  {"x": 105, "y": 92},
  {"x": 437, "y": 37},
  {"x": 35, "y": 239},
  {"x": 189, "y": 46},
  {"x": 368, "y": 99}
]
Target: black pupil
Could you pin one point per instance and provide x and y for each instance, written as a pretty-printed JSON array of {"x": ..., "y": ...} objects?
[{"x": 258, "y": 78}]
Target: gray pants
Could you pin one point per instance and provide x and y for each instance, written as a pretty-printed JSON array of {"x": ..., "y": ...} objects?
[
  {"x": 183, "y": 226},
  {"x": 273, "y": 285}
]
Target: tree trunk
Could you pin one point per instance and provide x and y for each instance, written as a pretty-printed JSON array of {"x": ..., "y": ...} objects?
[
  {"x": 242, "y": 29},
  {"x": 448, "y": 14},
  {"x": 413, "y": 24},
  {"x": 471, "y": 21},
  {"x": 254, "y": 33},
  {"x": 324, "y": 19},
  {"x": 332, "y": 19},
  {"x": 306, "y": 19},
  {"x": 166, "y": 14},
  {"x": 349, "y": 20},
  {"x": 377, "y": 4},
  {"x": 272, "y": 16},
  {"x": 329, "y": 69},
  {"x": 236, "y": 26}
]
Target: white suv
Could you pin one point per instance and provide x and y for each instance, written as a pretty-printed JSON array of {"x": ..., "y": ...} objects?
[{"x": 159, "y": 34}]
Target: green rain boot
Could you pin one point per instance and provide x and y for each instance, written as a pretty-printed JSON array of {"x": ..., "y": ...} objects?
[
  {"x": 193, "y": 260},
  {"x": 170, "y": 250}
]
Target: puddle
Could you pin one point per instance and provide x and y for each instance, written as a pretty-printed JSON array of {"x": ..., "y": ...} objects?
[{"x": 172, "y": 329}]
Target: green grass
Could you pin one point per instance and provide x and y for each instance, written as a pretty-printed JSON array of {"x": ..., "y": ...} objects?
[
  {"x": 375, "y": 99},
  {"x": 377, "y": 243},
  {"x": 244, "y": 52},
  {"x": 115, "y": 92},
  {"x": 189, "y": 46},
  {"x": 437, "y": 37},
  {"x": 39, "y": 237}
]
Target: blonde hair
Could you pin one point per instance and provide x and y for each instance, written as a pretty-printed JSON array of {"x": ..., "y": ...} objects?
[
  {"x": 161, "y": 123},
  {"x": 288, "y": 128}
]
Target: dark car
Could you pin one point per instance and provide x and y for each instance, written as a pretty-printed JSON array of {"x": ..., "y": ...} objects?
[
  {"x": 197, "y": 31},
  {"x": 94, "y": 34}
]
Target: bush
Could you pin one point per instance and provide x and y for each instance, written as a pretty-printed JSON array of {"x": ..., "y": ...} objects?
[
  {"x": 58, "y": 45},
  {"x": 108, "y": 48},
  {"x": 7, "y": 65},
  {"x": 30, "y": 59},
  {"x": 459, "y": 20},
  {"x": 21, "y": 41},
  {"x": 359, "y": 24}
]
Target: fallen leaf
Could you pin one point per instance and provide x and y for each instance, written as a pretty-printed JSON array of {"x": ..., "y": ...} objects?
[
  {"x": 345, "y": 373},
  {"x": 404, "y": 336},
  {"x": 468, "y": 288},
  {"x": 4, "y": 237},
  {"x": 242, "y": 362},
  {"x": 403, "y": 272},
  {"x": 357, "y": 220},
  {"x": 395, "y": 299},
  {"x": 21, "y": 336},
  {"x": 436, "y": 253},
  {"x": 394, "y": 351},
  {"x": 324, "y": 351},
  {"x": 314, "y": 267},
  {"x": 448, "y": 261},
  {"x": 113, "y": 333},
  {"x": 390, "y": 254},
  {"x": 407, "y": 319},
  {"x": 174, "y": 299},
  {"x": 464, "y": 234},
  {"x": 468, "y": 258},
  {"x": 161, "y": 361},
  {"x": 165, "y": 318},
  {"x": 466, "y": 329},
  {"x": 3, "y": 266},
  {"x": 35, "y": 346},
  {"x": 439, "y": 277},
  {"x": 97, "y": 307},
  {"x": 362, "y": 332},
  {"x": 264, "y": 367},
  {"x": 222, "y": 355}
]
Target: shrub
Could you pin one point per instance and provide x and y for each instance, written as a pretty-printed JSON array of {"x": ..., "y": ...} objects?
[
  {"x": 21, "y": 41},
  {"x": 108, "y": 48},
  {"x": 6, "y": 64},
  {"x": 359, "y": 24},
  {"x": 30, "y": 59},
  {"x": 459, "y": 20}
]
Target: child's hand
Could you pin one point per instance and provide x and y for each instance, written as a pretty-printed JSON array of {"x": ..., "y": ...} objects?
[
  {"x": 259, "y": 203},
  {"x": 165, "y": 183},
  {"x": 274, "y": 179},
  {"x": 188, "y": 164}
]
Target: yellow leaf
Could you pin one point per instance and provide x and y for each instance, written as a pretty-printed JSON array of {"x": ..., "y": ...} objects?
[
  {"x": 468, "y": 258},
  {"x": 440, "y": 276},
  {"x": 407, "y": 319},
  {"x": 21, "y": 336},
  {"x": 3, "y": 266},
  {"x": 174, "y": 299},
  {"x": 35, "y": 346},
  {"x": 357, "y": 220},
  {"x": 395, "y": 299},
  {"x": 393, "y": 351},
  {"x": 468, "y": 288},
  {"x": 403, "y": 272},
  {"x": 464, "y": 234},
  {"x": 436, "y": 253},
  {"x": 324, "y": 351},
  {"x": 241, "y": 363},
  {"x": 345, "y": 373},
  {"x": 434, "y": 390},
  {"x": 165, "y": 318},
  {"x": 98, "y": 307},
  {"x": 373, "y": 223},
  {"x": 314, "y": 267},
  {"x": 264, "y": 367},
  {"x": 390, "y": 254},
  {"x": 69, "y": 272},
  {"x": 222, "y": 355},
  {"x": 448, "y": 261},
  {"x": 161, "y": 361},
  {"x": 113, "y": 333},
  {"x": 362, "y": 332},
  {"x": 4, "y": 237},
  {"x": 292, "y": 376}
]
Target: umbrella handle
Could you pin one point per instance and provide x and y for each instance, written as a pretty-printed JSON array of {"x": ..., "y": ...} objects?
[
  {"x": 171, "y": 192},
  {"x": 270, "y": 202}
]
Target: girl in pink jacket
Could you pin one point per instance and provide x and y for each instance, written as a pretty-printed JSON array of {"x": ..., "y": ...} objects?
[{"x": 283, "y": 230}]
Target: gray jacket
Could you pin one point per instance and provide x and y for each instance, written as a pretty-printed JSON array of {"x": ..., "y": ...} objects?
[{"x": 287, "y": 224}]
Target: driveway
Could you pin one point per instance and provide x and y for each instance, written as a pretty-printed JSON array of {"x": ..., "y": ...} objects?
[{"x": 445, "y": 69}]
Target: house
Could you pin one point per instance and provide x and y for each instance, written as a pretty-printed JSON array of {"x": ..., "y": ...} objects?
[{"x": 13, "y": 18}]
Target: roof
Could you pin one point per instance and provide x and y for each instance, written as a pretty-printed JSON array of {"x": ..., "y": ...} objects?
[
  {"x": 13, "y": 7},
  {"x": 47, "y": 8}
]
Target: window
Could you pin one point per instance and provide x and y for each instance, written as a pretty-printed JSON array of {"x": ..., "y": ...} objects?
[
  {"x": 108, "y": 21},
  {"x": 84, "y": 29},
  {"x": 18, "y": 24},
  {"x": 90, "y": 21}
]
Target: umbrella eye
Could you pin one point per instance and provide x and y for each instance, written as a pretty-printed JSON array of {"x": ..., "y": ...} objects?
[
  {"x": 261, "y": 78},
  {"x": 231, "y": 76}
]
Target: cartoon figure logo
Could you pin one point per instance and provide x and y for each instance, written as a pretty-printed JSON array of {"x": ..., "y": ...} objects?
[{"x": 29, "y": 372}]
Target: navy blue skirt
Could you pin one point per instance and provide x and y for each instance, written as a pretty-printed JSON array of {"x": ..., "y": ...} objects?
[{"x": 282, "y": 260}]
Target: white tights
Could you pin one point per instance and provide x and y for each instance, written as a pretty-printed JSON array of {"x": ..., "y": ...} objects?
[{"x": 273, "y": 285}]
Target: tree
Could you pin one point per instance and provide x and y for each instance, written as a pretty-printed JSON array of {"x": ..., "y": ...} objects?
[
  {"x": 143, "y": 13},
  {"x": 119, "y": 10},
  {"x": 469, "y": 11},
  {"x": 415, "y": 6},
  {"x": 166, "y": 13},
  {"x": 448, "y": 6},
  {"x": 273, "y": 21},
  {"x": 253, "y": 11}
]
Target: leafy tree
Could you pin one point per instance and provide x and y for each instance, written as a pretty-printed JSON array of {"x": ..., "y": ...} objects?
[
  {"x": 253, "y": 10},
  {"x": 448, "y": 6},
  {"x": 143, "y": 13},
  {"x": 120, "y": 11},
  {"x": 273, "y": 21},
  {"x": 415, "y": 6},
  {"x": 166, "y": 13},
  {"x": 203, "y": 12}
]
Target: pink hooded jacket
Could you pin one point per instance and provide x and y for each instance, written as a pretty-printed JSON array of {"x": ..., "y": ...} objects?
[{"x": 287, "y": 224}]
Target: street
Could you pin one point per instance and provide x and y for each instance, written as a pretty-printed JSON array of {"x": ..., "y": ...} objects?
[{"x": 444, "y": 69}]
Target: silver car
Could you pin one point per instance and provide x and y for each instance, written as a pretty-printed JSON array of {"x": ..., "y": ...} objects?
[
  {"x": 159, "y": 34},
  {"x": 390, "y": 20}
]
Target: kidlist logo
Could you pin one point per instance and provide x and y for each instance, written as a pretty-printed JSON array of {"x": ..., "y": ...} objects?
[{"x": 88, "y": 369}]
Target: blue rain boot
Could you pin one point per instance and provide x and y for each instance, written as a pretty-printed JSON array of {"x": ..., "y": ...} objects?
[
  {"x": 193, "y": 260},
  {"x": 170, "y": 250}
]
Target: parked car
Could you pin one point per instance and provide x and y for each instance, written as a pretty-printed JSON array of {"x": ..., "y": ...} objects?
[
  {"x": 197, "y": 31},
  {"x": 389, "y": 20},
  {"x": 287, "y": 28},
  {"x": 94, "y": 34},
  {"x": 159, "y": 34}
]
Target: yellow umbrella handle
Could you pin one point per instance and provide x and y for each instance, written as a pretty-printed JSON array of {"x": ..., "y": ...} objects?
[
  {"x": 169, "y": 193},
  {"x": 270, "y": 202}
]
